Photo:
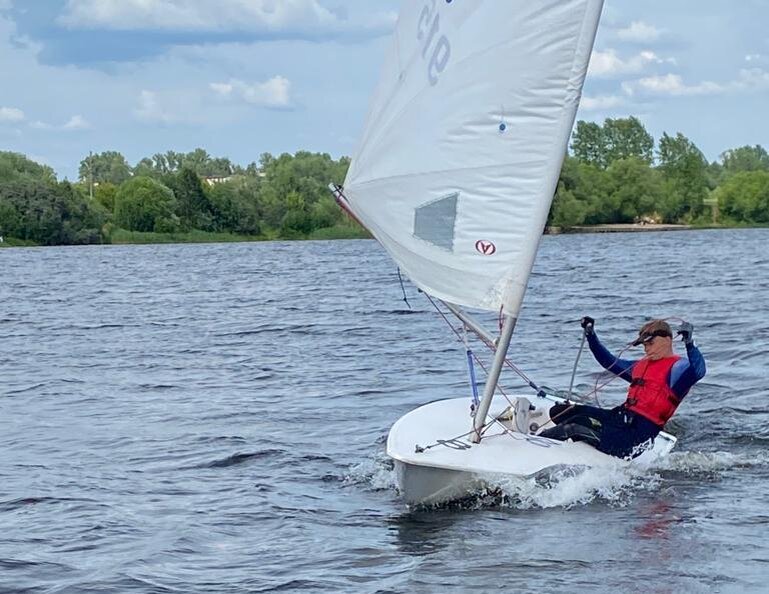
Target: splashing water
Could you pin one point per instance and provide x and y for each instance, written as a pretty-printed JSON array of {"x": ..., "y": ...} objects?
[
  {"x": 568, "y": 486},
  {"x": 377, "y": 473}
]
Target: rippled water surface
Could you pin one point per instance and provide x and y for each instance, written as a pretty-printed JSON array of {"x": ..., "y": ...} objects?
[{"x": 212, "y": 418}]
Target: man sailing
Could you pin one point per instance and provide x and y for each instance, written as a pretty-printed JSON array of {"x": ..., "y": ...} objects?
[{"x": 658, "y": 383}]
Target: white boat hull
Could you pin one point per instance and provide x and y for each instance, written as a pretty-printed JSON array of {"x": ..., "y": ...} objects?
[
  {"x": 426, "y": 485},
  {"x": 435, "y": 466}
]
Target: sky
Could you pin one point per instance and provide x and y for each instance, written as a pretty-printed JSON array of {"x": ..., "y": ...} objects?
[{"x": 244, "y": 77}]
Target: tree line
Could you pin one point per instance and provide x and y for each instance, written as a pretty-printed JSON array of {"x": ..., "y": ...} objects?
[
  {"x": 283, "y": 197},
  {"x": 615, "y": 172}
]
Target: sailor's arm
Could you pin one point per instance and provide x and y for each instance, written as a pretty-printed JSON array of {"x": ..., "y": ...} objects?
[
  {"x": 620, "y": 367},
  {"x": 687, "y": 373}
]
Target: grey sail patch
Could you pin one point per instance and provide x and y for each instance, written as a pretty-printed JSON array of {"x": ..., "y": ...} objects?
[{"x": 434, "y": 221}]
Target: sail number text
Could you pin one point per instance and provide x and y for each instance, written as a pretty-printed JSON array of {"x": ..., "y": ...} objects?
[{"x": 436, "y": 48}]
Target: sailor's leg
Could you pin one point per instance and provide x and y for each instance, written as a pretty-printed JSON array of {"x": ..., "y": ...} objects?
[
  {"x": 566, "y": 413},
  {"x": 575, "y": 431}
]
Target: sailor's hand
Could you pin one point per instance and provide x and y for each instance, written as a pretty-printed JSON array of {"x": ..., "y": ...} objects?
[
  {"x": 588, "y": 325},
  {"x": 686, "y": 330}
]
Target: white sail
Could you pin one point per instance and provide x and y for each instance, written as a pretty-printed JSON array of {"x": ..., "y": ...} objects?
[{"x": 465, "y": 139}]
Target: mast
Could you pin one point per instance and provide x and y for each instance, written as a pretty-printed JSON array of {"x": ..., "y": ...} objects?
[{"x": 491, "y": 382}]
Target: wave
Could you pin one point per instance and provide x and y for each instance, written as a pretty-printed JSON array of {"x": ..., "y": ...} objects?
[
  {"x": 695, "y": 462},
  {"x": 377, "y": 473},
  {"x": 239, "y": 458}
]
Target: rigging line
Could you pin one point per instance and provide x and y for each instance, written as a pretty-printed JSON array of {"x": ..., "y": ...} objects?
[
  {"x": 477, "y": 359},
  {"x": 494, "y": 420},
  {"x": 443, "y": 442},
  {"x": 471, "y": 369},
  {"x": 490, "y": 345},
  {"x": 576, "y": 362},
  {"x": 595, "y": 392},
  {"x": 403, "y": 288},
  {"x": 456, "y": 443}
]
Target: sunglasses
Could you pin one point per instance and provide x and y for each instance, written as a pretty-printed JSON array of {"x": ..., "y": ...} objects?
[{"x": 647, "y": 338}]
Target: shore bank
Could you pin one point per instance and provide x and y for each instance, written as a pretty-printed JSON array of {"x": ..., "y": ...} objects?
[{"x": 616, "y": 228}]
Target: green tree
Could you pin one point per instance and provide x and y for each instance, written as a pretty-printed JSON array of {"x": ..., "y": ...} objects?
[
  {"x": 635, "y": 191},
  {"x": 192, "y": 205},
  {"x": 568, "y": 210},
  {"x": 109, "y": 166},
  {"x": 220, "y": 166},
  {"x": 590, "y": 186},
  {"x": 304, "y": 174},
  {"x": 745, "y": 197},
  {"x": 627, "y": 138},
  {"x": 11, "y": 220},
  {"x": 296, "y": 221},
  {"x": 105, "y": 194},
  {"x": 144, "y": 204},
  {"x": 325, "y": 213},
  {"x": 14, "y": 166},
  {"x": 589, "y": 145},
  {"x": 746, "y": 158},
  {"x": 145, "y": 168},
  {"x": 685, "y": 174},
  {"x": 235, "y": 206},
  {"x": 48, "y": 213}
]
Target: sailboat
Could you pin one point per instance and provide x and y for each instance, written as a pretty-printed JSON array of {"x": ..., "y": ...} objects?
[{"x": 454, "y": 176}]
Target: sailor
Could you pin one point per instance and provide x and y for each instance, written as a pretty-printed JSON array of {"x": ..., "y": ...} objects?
[{"x": 658, "y": 383}]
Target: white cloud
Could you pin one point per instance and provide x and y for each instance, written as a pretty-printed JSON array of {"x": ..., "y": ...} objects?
[
  {"x": 275, "y": 93},
  {"x": 607, "y": 64},
  {"x": 752, "y": 78},
  {"x": 6, "y": 4},
  {"x": 76, "y": 122},
  {"x": 208, "y": 15},
  {"x": 601, "y": 102},
  {"x": 670, "y": 84},
  {"x": 11, "y": 114},
  {"x": 674, "y": 85},
  {"x": 179, "y": 106},
  {"x": 640, "y": 32},
  {"x": 754, "y": 58},
  {"x": 150, "y": 109}
]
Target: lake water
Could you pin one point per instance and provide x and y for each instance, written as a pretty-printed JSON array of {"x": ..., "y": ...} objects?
[{"x": 212, "y": 418}]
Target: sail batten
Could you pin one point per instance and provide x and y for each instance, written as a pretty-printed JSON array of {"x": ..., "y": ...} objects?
[{"x": 465, "y": 138}]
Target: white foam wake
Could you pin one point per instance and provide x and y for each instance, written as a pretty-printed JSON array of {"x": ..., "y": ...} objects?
[
  {"x": 376, "y": 472},
  {"x": 566, "y": 487}
]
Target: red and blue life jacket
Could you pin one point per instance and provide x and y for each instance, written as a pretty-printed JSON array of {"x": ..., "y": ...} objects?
[{"x": 650, "y": 395}]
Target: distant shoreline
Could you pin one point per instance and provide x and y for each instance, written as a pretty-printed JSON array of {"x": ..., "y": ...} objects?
[
  {"x": 618, "y": 228},
  {"x": 136, "y": 238}
]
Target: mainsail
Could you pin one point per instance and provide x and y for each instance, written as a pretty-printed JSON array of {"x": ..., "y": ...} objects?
[{"x": 465, "y": 138}]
